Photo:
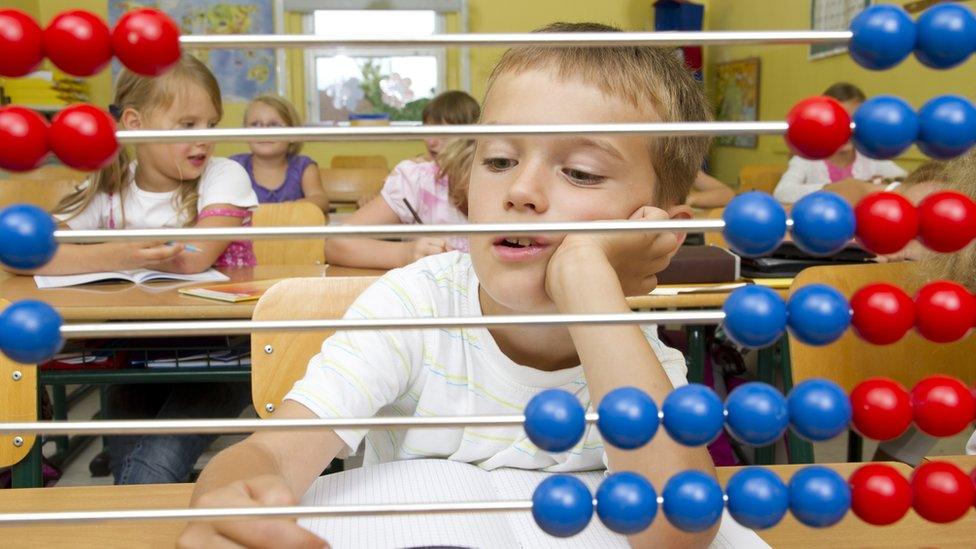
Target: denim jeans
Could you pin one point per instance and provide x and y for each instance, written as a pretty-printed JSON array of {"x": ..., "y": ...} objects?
[{"x": 137, "y": 459}]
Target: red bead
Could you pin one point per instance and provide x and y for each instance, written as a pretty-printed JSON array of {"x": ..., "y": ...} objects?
[
  {"x": 944, "y": 311},
  {"x": 942, "y": 406},
  {"x": 147, "y": 42},
  {"x": 879, "y": 494},
  {"x": 946, "y": 221},
  {"x": 78, "y": 42},
  {"x": 886, "y": 222},
  {"x": 882, "y": 313},
  {"x": 20, "y": 42},
  {"x": 83, "y": 137},
  {"x": 23, "y": 139},
  {"x": 881, "y": 408},
  {"x": 818, "y": 126},
  {"x": 941, "y": 491}
]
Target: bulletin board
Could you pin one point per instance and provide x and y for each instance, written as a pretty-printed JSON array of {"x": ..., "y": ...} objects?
[
  {"x": 833, "y": 15},
  {"x": 737, "y": 98}
]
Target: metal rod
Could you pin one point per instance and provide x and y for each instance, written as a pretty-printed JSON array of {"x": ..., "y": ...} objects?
[
  {"x": 69, "y": 517},
  {"x": 242, "y": 426},
  {"x": 563, "y": 39},
  {"x": 242, "y": 327},
  {"x": 393, "y": 133},
  {"x": 385, "y": 231}
]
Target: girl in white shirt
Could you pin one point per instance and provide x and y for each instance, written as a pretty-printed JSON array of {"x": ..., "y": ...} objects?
[
  {"x": 806, "y": 176},
  {"x": 164, "y": 186}
]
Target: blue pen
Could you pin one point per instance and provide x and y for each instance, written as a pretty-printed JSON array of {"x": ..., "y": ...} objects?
[{"x": 187, "y": 247}]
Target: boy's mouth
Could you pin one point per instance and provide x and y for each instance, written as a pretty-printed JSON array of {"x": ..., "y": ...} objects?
[{"x": 519, "y": 248}]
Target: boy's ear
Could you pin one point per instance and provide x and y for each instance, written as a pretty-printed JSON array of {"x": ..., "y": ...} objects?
[
  {"x": 680, "y": 211},
  {"x": 131, "y": 119}
]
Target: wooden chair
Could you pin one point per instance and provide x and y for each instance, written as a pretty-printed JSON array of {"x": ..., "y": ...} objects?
[
  {"x": 760, "y": 177},
  {"x": 40, "y": 193},
  {"x": 714, "y": 238},
  {"x": 47, "y": 173},
  {"x": 346, "y": 185},
  {"x": 850, "y": 360},
  {"x": 309, "y": 251},
  {"x": 375, "y": 161},
  {"x": 278, "y": 360}
]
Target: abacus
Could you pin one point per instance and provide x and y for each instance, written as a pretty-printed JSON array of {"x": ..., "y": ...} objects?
[{"x": 85, "y": 137}]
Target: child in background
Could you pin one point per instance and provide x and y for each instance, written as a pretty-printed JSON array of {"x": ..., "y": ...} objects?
[
  {"x": 165, "y": 185},
  {"x": 806, "y": 176},
  {"x": 417, "y": 191},
  {"x": 475, "y": 371},
  {"x": 708, "y": 192},
  {"x": 278, "y": 173}
]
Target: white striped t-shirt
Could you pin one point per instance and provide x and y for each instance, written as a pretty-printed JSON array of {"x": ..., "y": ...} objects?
[{"x": 442, "y": 372}]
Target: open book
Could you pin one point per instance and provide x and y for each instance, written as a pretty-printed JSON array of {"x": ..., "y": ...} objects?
[
  {"x": 139, "y": 276},
  {"x": 443, "y": 481}
]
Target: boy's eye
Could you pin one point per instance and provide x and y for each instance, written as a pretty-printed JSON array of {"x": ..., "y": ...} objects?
[
  {"x": 211, "y": 125},
  {"x": 499, "y": 164},
  {"x": 580, "y": 176}
]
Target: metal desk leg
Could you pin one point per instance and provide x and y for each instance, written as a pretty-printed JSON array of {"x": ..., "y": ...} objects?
[
  {"x": 766, "y": 373},
  {"x": 696, "y": 353},
  {"x": 801, "y": 451}
]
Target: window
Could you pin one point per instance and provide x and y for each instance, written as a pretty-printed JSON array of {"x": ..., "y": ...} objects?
[{"x": 395, "y": 82}]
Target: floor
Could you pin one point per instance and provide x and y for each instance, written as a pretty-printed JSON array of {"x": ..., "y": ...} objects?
[{"x": 77, "y": 473}]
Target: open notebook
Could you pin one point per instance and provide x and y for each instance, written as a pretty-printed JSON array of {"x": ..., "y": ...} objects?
[
  {"x": 138, "y": 276},
  {"x": 440, "y": 481}
]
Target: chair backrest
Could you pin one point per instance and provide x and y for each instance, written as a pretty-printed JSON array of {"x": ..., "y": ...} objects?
[
  {"x": 347, "y": 185},
  {"x": 43, "y": 194},
  {"x": 760, "y": 177},
  {"x": 52, "y": 172},
  {"x": 850, "y": 360},
  {"x": 377, "y": 161},
  {"x": 279, "y": 359},
  {"x": 309, "y": 251}
]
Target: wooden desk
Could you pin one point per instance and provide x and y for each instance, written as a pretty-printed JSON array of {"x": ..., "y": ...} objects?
[
  {"x": 686, "y": 301},
  {"x": 157, "y": 301},
  {"x": 911, "y": 531},
  {"x": 964, "y": 462}
]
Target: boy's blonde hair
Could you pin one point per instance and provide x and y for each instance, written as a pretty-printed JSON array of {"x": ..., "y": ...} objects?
[
  {"x": 958, "y": 175},
  {"x": 647, "y": 77},
  {"x": 146, "y": 94},
  {"x": 451, "y": 107},
  {"x": 287, "y": 112}
]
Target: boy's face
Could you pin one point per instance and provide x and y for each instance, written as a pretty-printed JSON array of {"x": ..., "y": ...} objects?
[{"x": 542, "y": 180}]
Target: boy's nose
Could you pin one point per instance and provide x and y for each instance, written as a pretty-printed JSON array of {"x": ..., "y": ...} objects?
[{"x": 528, "y": 190}]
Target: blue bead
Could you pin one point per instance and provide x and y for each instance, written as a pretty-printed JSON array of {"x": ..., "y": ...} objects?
[
  {"x": 626, "y": 503},
  {"x": 758, "y": 499},
  {"x": 554, "y": 420},
  {"x": 628, "y": 418},
  {"x": 26, "y": 236},
  {"x": 562, "y": 506},
  {"x": 819, "y": 497},
  {"x": 756, "y": 414},
  {"x": 884, "y": 126},
  {"x": 946, "y": 126},
  {"x": 755, "y": 224},
  {"x": 946, "y": 36},
  {"x": 30, "y": 332},
  {"x": 692, "y": 501},
  {"x": 693, "y": 415},
  {"x": 884, "y": 36},
  {"x": 819, "y": 409},
  {"x": 818, "y": 314},
  {"x": 755, "y": 316},
  {"x": 823, "y": 223}
]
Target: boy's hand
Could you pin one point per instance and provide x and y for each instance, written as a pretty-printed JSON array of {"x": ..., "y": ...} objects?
[
  {"x": 635, "y": 257},
  {"x": 267, "y": 491}
]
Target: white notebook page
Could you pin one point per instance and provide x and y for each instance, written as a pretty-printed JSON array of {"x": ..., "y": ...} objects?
[{"x": 433, "y": 480}]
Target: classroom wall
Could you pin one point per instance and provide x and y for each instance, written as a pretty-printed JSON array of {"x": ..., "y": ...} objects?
[{"x": 787, "y": 76}]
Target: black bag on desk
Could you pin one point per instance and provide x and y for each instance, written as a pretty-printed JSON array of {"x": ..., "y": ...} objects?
[{"x": 788, "y": 260}]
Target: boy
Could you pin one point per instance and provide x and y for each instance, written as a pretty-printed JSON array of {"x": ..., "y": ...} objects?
[{"x": 480, "y": 371}]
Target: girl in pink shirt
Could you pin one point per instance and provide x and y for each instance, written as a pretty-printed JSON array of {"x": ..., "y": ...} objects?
[{"x": 431, "y": 190}]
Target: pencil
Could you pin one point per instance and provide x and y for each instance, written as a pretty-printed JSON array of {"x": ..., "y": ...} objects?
[{"x": 413, "y": 212}]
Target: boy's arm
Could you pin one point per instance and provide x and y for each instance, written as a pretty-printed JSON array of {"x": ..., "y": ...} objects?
[
  {"x": 269, "y": 468},
  {"x": 583, "y": 280}
]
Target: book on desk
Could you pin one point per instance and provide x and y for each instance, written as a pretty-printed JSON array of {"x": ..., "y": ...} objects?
[{"x": 137, "y": 276}]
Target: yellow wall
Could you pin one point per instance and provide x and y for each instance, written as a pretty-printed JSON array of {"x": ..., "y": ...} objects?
[
  {"x": 27, "y": 6},
  {"x": 787, "y": 76}
]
